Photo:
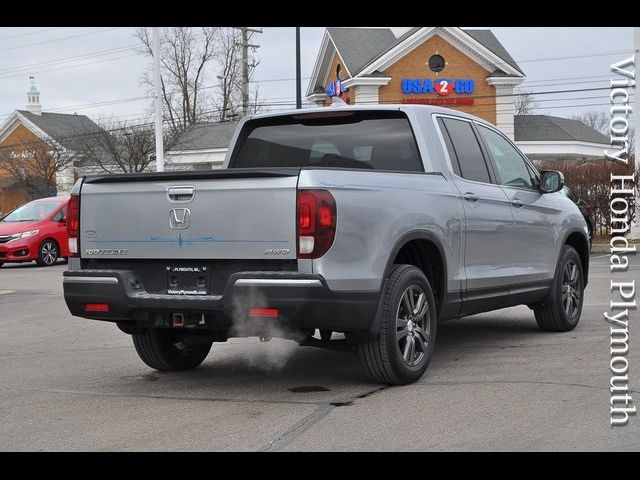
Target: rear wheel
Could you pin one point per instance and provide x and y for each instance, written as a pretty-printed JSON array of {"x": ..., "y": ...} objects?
[
  {"x": 48, "y": 253},
  {"x": 402, "y": 351},
  {"x": 560, "y": 311},
  {"x": 166, "y": 350}
]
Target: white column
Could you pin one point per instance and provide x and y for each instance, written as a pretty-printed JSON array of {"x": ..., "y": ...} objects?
[
  {"x": 505, "y": 109},
  {"x": 366, "y": 94}
]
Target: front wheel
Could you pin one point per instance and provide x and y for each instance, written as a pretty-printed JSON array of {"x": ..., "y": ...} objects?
[
  {"x": 165, "y": 350},
  {"x": 401, "y": 352},
  {"x": 561, "y": 310},
  {"x": 48, "y": 253}
]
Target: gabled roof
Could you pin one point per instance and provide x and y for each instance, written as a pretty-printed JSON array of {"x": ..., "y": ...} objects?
[
  {"x": 489, "y": 40},
  {"x": 205, "y": 136},
  {"x": 61, "y": 126},
  {"x": 64, "y": 129},
  {"x": 360, "y": 47},
  {"x": 538, "y": 128},
  {"x": 357, "y": 46}
]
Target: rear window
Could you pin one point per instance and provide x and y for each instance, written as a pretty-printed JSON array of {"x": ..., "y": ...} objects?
[{"x": 366, "y": 140}]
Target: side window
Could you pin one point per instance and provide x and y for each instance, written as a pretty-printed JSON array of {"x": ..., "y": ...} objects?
[
  {"x": 468, "y": 154},
  {"x": 511, "y": 166},
  {"x": 452, "y": 154},
  {"x": 60, "y": 215}
]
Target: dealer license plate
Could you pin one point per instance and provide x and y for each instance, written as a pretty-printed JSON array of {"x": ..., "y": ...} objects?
[{"x": 187, "y": 281}]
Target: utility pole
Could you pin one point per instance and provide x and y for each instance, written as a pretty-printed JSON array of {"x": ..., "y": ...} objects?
[
  {"x": 298, "y": 75},
  {"x": 245, "y": 65},
  {"x": 157, "y": 100}
]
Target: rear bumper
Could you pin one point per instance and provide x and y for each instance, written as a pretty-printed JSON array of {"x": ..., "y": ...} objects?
[{"x": 303, "y": 301}]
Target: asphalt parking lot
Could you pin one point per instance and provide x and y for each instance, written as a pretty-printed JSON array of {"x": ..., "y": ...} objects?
[{"x": 496, "y": 382}]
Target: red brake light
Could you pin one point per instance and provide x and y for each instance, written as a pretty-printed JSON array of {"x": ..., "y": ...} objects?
[
  {"x": 73, "y": 224},
  {"x": 316, "y": 222},
  {"x": 263, "y": 312}
]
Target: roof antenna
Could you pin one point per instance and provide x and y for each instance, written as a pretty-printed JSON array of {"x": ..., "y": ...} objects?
[{"x": 338, "y": 102}]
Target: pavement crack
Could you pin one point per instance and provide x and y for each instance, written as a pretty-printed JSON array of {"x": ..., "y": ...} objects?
[
  {"x": 160, "y": 397},
  {"x": 314, "y": 417}
]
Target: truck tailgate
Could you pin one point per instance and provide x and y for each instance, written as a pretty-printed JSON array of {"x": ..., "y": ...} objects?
[{"x": 231, "y": 214}]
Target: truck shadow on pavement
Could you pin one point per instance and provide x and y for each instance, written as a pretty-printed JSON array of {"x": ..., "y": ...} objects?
[{"x": 243, "y": 368}]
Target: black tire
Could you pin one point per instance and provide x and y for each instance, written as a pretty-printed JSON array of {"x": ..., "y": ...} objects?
[
  {"x": 1, "y": 263},
  {"x": 561, "y": 310},
  {"x": 385, "y": 358},
  {"x": 48, "y": 253},
  {"x": 162, "y": 350}
]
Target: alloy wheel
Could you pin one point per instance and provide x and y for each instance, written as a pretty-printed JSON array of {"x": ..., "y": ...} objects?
[
  {"x": 49, "y": 253},
  {"x": 413, "y": 325},
  {"x": 571, "y": 289}
]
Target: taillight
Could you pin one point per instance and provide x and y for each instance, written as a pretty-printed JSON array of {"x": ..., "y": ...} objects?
[
  {"x": 316, "y": 222},
  {"x": 73, "y": 224}
]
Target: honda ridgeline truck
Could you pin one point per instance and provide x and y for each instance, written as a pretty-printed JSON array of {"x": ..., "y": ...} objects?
[{"x": 373, "y": 222}]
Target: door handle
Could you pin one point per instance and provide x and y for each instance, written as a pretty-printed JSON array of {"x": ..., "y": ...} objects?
[
  {"x": 182, "y": 194},
  {"x": 516, "y": 202},
  {"x": 470, "y": 197}
]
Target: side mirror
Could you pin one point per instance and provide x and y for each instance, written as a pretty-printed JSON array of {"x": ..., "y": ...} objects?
[{"x": 551, "y": 181}]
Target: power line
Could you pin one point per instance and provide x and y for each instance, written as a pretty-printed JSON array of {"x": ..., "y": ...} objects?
[
  {"x": 86, "y": 34},
  {"x": 286, "y": 106},
  {"x": 29, "y": 33},
  {"x": 71, "y": 66},
  {"x": 87, "y": 55}
]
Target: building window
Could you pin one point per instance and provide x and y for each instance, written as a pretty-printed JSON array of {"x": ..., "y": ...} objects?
[{"x": 436, "y": 63}]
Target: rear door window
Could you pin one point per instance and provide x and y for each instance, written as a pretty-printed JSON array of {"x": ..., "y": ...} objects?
[
  {"x": 380, "y": 140},
  {"x": 466, "y": 151}
]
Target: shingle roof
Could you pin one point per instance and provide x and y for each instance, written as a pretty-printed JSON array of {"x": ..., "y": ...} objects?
[
  {"x": 358, "y": 46},
  {"x": 489, "y": 40},
  {"x": 548, "y": 128},
  {"x": 361, "y": 46},
  {"x": 205, "y": 136},
  {"x": 62, "y": 127}
]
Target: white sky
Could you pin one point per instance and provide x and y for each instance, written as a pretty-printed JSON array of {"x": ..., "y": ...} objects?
[{"x": 69, "y": 85}]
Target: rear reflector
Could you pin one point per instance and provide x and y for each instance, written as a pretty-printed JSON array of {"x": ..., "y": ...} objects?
[
  {"x": 96, "y": 307},
  {"x": 263, "y": 312}
]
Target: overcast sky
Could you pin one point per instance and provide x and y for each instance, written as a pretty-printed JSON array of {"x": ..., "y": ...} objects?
[{"x": 97, "y": 71}]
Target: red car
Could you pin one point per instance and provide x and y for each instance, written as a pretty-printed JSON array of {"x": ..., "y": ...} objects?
[{"x": 35, "y": 231}]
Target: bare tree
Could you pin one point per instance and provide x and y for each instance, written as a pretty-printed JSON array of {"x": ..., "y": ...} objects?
[
  {"x": 120, "y": 147},
  {"x": 37, "y": 164},
  {"x": 596, "y": 119},
  {"x": 523, "y": 102},
  {"x": 185, "y": 54}
]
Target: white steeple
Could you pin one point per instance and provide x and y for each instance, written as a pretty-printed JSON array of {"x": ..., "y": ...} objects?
[{"x": 33, "y": 99}]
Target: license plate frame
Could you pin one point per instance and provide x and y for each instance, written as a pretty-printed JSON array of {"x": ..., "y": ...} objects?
[{"x": 187, "y": 280}]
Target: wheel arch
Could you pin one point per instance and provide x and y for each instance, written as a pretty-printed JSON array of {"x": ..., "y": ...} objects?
[
  {"x": 424, "y": 250},
  {"x": 579, "y": 241}
]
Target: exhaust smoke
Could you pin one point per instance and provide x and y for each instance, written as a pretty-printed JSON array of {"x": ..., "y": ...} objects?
[{"x": 277, "y": 342}]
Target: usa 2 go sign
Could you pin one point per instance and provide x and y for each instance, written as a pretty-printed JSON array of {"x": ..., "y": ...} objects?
[{"x": 441, "y": 86}]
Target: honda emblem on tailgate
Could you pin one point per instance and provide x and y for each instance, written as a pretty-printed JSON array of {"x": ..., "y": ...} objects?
[{"x": 179, "y": 218}]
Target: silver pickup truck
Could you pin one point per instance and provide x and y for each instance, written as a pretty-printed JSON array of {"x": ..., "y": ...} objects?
[{"x": 372, "y": 222}]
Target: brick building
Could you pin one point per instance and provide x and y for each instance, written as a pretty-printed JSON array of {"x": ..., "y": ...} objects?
[
  {"x": 469, "y": 70},
  {"x": 25, "y": 128}
]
